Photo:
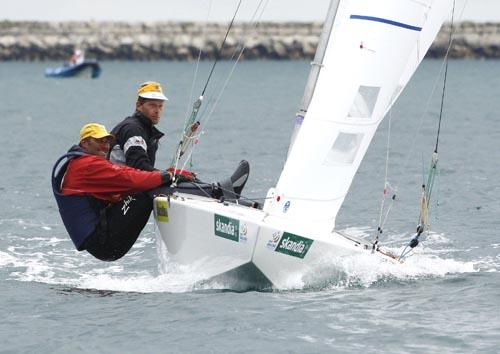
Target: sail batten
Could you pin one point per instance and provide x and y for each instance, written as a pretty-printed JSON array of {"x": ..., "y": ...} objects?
[{"x": 372, "y": 51}]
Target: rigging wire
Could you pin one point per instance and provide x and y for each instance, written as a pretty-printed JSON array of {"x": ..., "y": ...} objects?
[
  {"x": 444, "y": 66},
  {"x": 191, "y": 93},
  {"x": 203, "y": 36},
  {"x": 425, "y": 112},
  {"x": 445, "y": 79},
  {"x": 218, "y": 53},
  {"x": 191, "y": 125},
  {"x": 254, "y": 23},
  {"x": 427, "y": 186},
  {"x": 386, "y": 185},
  {"x": 231, "y": 72}
]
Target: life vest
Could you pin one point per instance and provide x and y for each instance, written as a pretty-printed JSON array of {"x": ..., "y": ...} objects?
[{"x": 79, "y": 213}]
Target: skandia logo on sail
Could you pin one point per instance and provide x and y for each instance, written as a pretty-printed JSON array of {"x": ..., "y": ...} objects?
[
  {"x": 227, "y": 227},
  {"x": 294, "y": 245}
]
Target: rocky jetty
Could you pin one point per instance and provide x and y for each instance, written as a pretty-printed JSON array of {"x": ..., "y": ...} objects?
[{"x": 182, "y": 41}]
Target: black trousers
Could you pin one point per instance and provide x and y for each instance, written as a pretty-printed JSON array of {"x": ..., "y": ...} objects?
[{"x": 124, "y": 222}]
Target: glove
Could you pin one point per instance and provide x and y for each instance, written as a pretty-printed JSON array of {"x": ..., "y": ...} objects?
[
  {"x": 182, "y": 175},
  {"x": 166, "y": 178},
  {"x": 183, "y": 179}
]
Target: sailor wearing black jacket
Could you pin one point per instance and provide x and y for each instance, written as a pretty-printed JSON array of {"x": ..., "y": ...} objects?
[
  {"x": 136, "y": 136},
  {"x": 137, "y": 142}
]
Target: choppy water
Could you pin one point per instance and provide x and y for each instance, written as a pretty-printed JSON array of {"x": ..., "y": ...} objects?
[{"x": 445, "y": 299}]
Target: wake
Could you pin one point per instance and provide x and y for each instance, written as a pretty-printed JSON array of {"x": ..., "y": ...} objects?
[{"x": 53, "y": 261}]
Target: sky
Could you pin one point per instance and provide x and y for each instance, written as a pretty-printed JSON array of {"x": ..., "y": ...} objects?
[{"x": 197, "y": 10}]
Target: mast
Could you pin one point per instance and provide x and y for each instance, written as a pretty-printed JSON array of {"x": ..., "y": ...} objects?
[
  {"x": 317, "y": 63},
  {"x": 316, "y": 66}
]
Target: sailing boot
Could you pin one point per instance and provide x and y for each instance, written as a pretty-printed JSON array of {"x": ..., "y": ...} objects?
[{"x": 233, "y": 186}]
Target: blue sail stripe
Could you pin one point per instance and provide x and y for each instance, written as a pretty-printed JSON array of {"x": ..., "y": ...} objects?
[{"x": 386, "y": 21}]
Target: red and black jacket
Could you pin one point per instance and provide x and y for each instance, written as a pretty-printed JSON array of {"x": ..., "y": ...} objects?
[{"x": 86, "y": 184}]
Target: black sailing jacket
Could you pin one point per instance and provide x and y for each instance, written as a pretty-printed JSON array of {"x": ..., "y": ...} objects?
[{"x": 136, "y": 142}]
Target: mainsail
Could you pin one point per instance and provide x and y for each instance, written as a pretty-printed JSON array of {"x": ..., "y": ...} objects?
[{"x": 373, "y": 49}]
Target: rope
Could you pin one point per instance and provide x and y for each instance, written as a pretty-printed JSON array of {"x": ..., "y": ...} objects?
[{"x": 197, "y": 185}]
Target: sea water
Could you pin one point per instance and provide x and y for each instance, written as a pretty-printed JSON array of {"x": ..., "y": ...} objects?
[{"x": 446, "y": 298}]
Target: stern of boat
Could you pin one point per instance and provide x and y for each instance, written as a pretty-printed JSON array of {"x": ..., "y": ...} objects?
[{"x": 209, "y": 236}]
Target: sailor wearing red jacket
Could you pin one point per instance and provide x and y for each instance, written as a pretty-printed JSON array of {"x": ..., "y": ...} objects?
[{"x": 104, "y": 206}]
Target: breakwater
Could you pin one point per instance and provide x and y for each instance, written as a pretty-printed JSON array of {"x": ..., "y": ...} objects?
[{"x": 31, "y": 41}]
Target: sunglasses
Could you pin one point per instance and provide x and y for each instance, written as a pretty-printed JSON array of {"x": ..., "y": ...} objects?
[{"x": 102, "y": 141}]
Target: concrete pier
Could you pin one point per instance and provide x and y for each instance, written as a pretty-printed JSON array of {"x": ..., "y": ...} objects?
[{"x": 30, "y": 41}]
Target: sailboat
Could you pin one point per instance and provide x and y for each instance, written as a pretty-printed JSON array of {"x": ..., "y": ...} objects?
[{"x": 367, "y": 53}]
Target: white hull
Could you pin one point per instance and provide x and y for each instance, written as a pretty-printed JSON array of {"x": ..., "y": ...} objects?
[
  {"x": 367, "y": 53},
  {"x": 244, "y": 244}
]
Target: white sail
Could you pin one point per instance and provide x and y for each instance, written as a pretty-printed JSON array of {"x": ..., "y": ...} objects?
[{"x": 374, "y": 48}]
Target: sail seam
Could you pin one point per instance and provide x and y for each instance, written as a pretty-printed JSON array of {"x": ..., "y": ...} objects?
[
  {"x": 386, "y": 21},
  {"x": 315, "y": 199}
]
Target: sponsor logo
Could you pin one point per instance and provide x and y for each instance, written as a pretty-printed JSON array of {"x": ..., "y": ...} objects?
[
  {"x": 294, "y": 245},
  {"x": 286, "y": 206},
  {"x": 126, "y": 204},
  {"x": 243, "y": 233},
  {"x": 271, "y": 244},
  {"x": 227, "y": 227},
  {"x": 135, "y": 141},
  {"x": 162, "y": 210}
]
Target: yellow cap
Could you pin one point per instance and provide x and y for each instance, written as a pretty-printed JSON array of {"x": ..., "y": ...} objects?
[
  {"x": 151, "y": 90},
  {"x": 94, "y": 130}
]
